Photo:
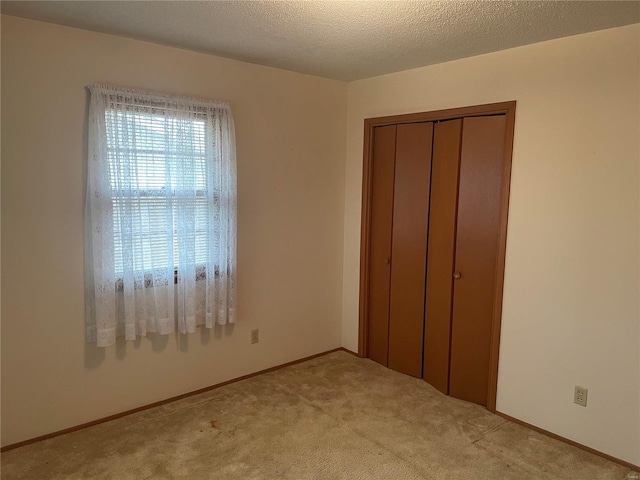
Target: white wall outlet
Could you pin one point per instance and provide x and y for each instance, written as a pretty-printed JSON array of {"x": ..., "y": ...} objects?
[
  {"x": 580, "y": 396},
  {"x": 255, "y": 336}
]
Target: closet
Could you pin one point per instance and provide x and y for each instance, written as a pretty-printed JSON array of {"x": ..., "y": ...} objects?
[{"x": 434, "y": 228}]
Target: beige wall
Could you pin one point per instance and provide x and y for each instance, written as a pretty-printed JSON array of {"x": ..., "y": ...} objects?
[
  {"x": 571, "y": 312},
  {"x": 291, "y": 140}
]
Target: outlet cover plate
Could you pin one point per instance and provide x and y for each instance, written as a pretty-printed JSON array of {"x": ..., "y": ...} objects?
[{"x": 580, "y": 396}]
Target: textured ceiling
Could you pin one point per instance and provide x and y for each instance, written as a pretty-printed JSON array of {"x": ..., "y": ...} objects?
[{"x": 345, "y": 40}]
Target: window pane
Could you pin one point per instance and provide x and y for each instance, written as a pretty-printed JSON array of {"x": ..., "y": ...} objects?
[{"x": 153, "y": 161}]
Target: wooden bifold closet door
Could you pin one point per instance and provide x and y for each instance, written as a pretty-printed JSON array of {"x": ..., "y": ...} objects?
[
  {"x": 463, "y": 242},
  {"x": 435, "y": 208},
  {"x": 442, "y": 225},
  {"x": 476, "y": 254},
  {"x": 398, "y": 246},
  {"x": 384, "y": 160}
]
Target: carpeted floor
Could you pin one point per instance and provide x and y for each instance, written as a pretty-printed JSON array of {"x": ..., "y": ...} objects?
[{"x": 333, "y": 417}]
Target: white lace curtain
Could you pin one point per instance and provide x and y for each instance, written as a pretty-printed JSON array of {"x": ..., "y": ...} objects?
[{"x": 160, "y": 214}]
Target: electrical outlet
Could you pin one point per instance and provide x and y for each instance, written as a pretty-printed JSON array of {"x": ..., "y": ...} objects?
[
  {"x": 255, "y": 336},
  {"x": 580, "y": 396}
]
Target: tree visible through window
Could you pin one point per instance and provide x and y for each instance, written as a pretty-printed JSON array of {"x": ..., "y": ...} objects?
[{"x": 161, "y": 205}]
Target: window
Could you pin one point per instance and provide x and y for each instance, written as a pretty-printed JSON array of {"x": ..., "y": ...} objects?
[
  {"x": 161, "y": 208},
  {"x": 154, "y": 142}
]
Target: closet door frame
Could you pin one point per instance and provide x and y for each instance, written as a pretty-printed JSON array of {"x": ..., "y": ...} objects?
[{"x": 504, "y": 108}]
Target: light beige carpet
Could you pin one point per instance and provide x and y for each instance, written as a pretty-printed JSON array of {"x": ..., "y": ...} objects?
[{"x": 333, "y": 417}]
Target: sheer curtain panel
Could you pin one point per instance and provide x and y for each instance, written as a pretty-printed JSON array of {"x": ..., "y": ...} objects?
[{"x": 160, "y": 214}]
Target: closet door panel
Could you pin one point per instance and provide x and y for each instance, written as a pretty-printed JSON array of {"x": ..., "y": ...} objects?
[
  {"x": 409, "y": 247},
  {"x": 442, "y": 228},
  {"x": 384, "y": 152},
  {"x": 477, "y": 238}
]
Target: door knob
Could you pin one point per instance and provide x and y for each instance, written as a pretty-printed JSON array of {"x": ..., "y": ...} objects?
[
  {"x": 457, "y": 275},
  {"x": 387, "y": 261}
]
